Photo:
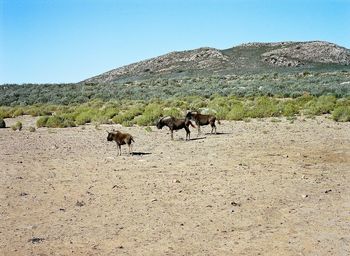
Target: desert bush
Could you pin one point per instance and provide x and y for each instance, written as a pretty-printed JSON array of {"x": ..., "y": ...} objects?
[
  {"x": 2, "y": 123},
  {"x": 18, "y": 112},
  {"x": 289, "y": 108},
  {"x": 41, "y": 122},
  {"x": 17, "y": 126},
  {"x": 60, "y": 121},
  {"x": 263, "y": 107},
  {"x": 341, "y": 114},
  {"x": 85, "y": 117},
  {"x": 31, "y": 129},
  {"x": 237, "y": 112},
  {"x": 175, "y": 112},
  {"x": 320, "y": 105},
  {"x": 128, "y": 115},
  {"x": 152, "y": 112}
]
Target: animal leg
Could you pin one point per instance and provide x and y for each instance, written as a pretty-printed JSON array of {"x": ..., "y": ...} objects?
[
  {"x": 213, "y": 127},
  {"x": 187, "y": 133},
  {"x": 172, "y": 134},
  {"x": 199, "y": 130}
]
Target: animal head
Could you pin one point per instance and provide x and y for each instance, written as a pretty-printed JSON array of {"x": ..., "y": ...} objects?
[
  {"x": 160, "y": 123},
  {"x": 188, "y": 115},
  {"x": 111, "y": 135}
]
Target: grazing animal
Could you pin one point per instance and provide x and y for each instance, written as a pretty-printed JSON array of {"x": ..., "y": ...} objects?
[
  {"x": 121, "y": 139},
  {"x": 200, "y": 120},
  {"x": 175, "y": 124}
]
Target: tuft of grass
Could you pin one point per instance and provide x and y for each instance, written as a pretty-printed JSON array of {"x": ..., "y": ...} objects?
[
  {"x": 148, "y": 129},
  {"x": 32, "y": 129},
  {"x": 17, "y": 126}
]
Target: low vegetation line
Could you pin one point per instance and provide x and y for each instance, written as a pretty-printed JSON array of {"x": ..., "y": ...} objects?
[{"x": 144, "y": 113}]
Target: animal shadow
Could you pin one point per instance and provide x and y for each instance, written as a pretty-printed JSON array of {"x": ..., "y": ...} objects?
[
  {"x": 218, "y": 133},
  {"x": 198, "y": 138},
  {"x": 140, "y": 153}
]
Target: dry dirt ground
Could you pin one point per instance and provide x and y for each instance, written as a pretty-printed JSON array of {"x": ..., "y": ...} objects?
[{"x": 257, "y": 188}]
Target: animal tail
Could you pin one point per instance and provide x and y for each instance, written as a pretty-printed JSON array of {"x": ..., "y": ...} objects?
[
  {"x": 132, "y": 139},
  {"x": 190, "y": 123}
]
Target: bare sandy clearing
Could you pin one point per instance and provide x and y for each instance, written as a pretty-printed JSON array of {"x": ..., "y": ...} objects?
[{"x": 269, "y": 188}]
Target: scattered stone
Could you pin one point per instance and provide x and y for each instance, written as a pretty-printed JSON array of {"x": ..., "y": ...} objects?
[
  {"x": 80, "y": 203},
  {"x": 62, "y": 209},
  {"x": 235, "y": 203},
  {"x": 327, "y": 191},
  {"x": 36, "y": 240},
  {"x": 23, "y": 194},
  {"x": 154, "y": 200},
  {"x": 176, "y": 181},
  {"x": 304, "y": 196}
]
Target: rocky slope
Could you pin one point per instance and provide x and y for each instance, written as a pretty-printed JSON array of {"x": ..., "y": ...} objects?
[{"x": 251, "y": 58}]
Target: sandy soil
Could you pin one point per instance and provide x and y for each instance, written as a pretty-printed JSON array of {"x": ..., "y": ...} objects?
[{"x": 257, "y": 188}]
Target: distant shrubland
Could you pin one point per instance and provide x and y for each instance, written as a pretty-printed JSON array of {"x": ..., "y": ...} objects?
[
  {"x": 270, "y": 84},
  {"x": 141, "y": 103},
  {"x": 145, "y": 113}
]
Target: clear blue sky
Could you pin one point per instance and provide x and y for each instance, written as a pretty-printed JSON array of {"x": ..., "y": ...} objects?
[{"x": 70, "y": 40}]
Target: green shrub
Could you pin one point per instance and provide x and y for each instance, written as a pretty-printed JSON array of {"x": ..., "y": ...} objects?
[
  {"x": 152, "y": 112},
  {"x": 289, "y": 108},
  {"x": 341, "y": 114},
  {"x": 59, "y": 122},
  {"x": 237, "y": 112},
  {"x": 18, "y": 112},
  {"x": 84, "y": 117},
  {"x": 263, "y": 107},
  {"x": 128, "y": 115},
  {"x": 175, "y": 112},
  {"x": 320, "y": 105},
  {"x": 41, "y": 122},
  {"x": 17, "y": 126}
]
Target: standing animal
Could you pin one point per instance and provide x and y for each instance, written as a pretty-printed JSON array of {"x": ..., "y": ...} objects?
[
  {"x": 175, "y": 124},
  {"x": 121, "y": 139},
  {"x": 200, "y": 120}
]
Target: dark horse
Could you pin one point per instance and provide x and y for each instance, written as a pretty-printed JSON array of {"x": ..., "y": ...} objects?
[
  {"x": 175, "y": 124},
  {"x": 200, "y": 120}
]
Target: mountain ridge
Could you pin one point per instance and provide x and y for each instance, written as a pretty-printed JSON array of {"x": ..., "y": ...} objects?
[{"x": 253, "y": 57}]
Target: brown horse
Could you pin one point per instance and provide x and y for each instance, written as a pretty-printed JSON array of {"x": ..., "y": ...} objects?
[
  {"x": 175, "y": 124},
  {"x": 200, "y": 120}
]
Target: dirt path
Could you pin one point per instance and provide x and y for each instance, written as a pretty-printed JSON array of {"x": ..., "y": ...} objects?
[{"x": 258, "y": 188}]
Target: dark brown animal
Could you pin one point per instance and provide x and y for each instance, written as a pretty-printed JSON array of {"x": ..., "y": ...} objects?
[
  {"x": 121, "y": 139},
  {"x": 175, "y": 124},
  {"x": 201, "y": 120}
]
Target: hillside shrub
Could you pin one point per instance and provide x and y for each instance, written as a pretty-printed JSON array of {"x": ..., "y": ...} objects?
[
  {"x": 341, "y": 114},
  {"x": 152, "y": 112},
  {"x": 128, "y": 115}
]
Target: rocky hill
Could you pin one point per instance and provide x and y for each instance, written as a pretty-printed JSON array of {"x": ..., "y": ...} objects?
[{"x": 245, "y": 58}]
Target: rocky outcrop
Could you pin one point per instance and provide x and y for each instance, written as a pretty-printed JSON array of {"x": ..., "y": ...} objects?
[{"x": 298, "y": 54}]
